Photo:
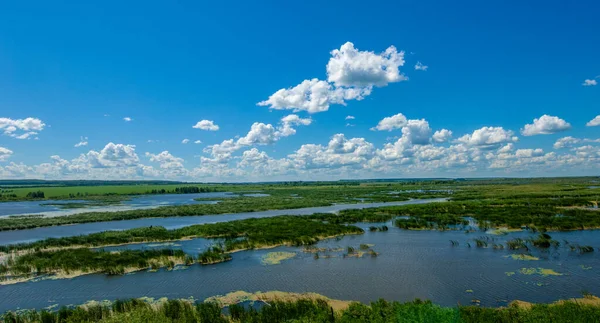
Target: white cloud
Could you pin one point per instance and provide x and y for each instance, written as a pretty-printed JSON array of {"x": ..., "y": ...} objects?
[
  {"x": 568, "y": 142},
  {"x": 390, "y": 123},
  {"x": 21, "y": 128},
  {"x": 207, "y": 125},
  {"x": 545, "y": 125},
  {"x": 442, "y": 136},
  {"x": 82, "y": 142},
  {"x": 127, "y": 119},
  {"x": 292, "y": 120},
  {"x": 488, "y": 137},
  {"x": 113, "y": 155},
  {"x": 259, "y": 134},
  {"x": 26, "y": 135},
  {"x": 198, "y": 142},
  {"x": 350, "y": 118},
  {"x": 185, "y": 141},
  {"x": 506, "y": 148},
  {"x": 313, "y": 96},
  {"x": 350, "y": 67},
  {"x": 166, "y": 160},
  {"x": 528, "y": 153},
  {"x": 5, "y": 153},
  {"x": 594, "y": 122},
  {"x": 420, "y": 67},
  {"x": 417, "y": 132},
  {"x": 340, "y": 152},
  {"x": 589, "y": 82}
]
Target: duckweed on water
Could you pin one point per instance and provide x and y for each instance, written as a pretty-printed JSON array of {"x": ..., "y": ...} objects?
[
  {"x": 522, "y": 257},
  {"x": 539, "y": 271},
  {"x": 275, "y": 258}
]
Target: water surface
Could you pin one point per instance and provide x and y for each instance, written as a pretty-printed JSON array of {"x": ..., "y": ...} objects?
[{"x": 411, "y": 264}]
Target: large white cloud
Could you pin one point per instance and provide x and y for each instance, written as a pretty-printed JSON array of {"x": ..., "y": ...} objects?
[
  {"x": 350, "y": 67},
  {"x": 488, "y": 137},
  {"x": 594, "y": 122},
  {"x": 5, "y": 153},
  {"x": 21, "y": 128},
  {"x": 396, "y": 121},
  {"x": 351, "y": 75},
  {"x": 207, "y": 125},
  {"x": 545, "y": 125}
]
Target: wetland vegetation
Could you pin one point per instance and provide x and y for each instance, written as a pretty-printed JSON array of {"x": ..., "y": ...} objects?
[
  {"x": 495, "y": 208},
  {"x": 553, "y": 203},
  {"x": 67, "y": 255},
  {"x": 278, "y": 307},
  {"x": 75, "y": 262}
]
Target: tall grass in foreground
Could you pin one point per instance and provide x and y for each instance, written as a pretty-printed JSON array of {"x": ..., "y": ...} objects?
[{"x": 306, "y": 310}]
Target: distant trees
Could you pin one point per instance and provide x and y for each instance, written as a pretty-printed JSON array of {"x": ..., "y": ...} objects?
[
  {"x": 183, "y": 190},
  {"x": 193, "y": 189},
  {"x": 36, "y": 195}
]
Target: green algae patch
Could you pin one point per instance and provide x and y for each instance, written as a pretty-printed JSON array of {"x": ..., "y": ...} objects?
[
  {"x": 584, "y": 267},
  {"x": 509, "y": 273},
  {"x": 469, "y": 291},
  {"x": 503, "y": 231},
  {"x": 275, "y": 258},
  {"x": 522, "y": 257},
  {"x": 539, "y": 271}
]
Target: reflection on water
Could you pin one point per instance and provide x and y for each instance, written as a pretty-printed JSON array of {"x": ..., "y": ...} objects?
[
  {"x": 411, "y": 264},
  {"x": 11, "y": 237}
]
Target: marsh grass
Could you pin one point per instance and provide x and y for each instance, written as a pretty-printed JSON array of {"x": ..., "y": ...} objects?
[{"x": 311, "y": 310}]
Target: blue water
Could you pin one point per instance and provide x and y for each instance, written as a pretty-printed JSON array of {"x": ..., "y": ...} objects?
[{"x": 411, "y": 264}]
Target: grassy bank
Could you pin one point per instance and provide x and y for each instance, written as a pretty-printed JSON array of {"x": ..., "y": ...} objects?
[{"x": 285, "y": 307}]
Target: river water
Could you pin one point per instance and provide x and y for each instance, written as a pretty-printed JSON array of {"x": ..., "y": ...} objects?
[
  {"x": 20, "y": 236},
  {"x": 411, "y": 264}
]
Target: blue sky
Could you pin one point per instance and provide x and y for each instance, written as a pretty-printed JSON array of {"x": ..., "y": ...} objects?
[{"x": 78, "y": 69}]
